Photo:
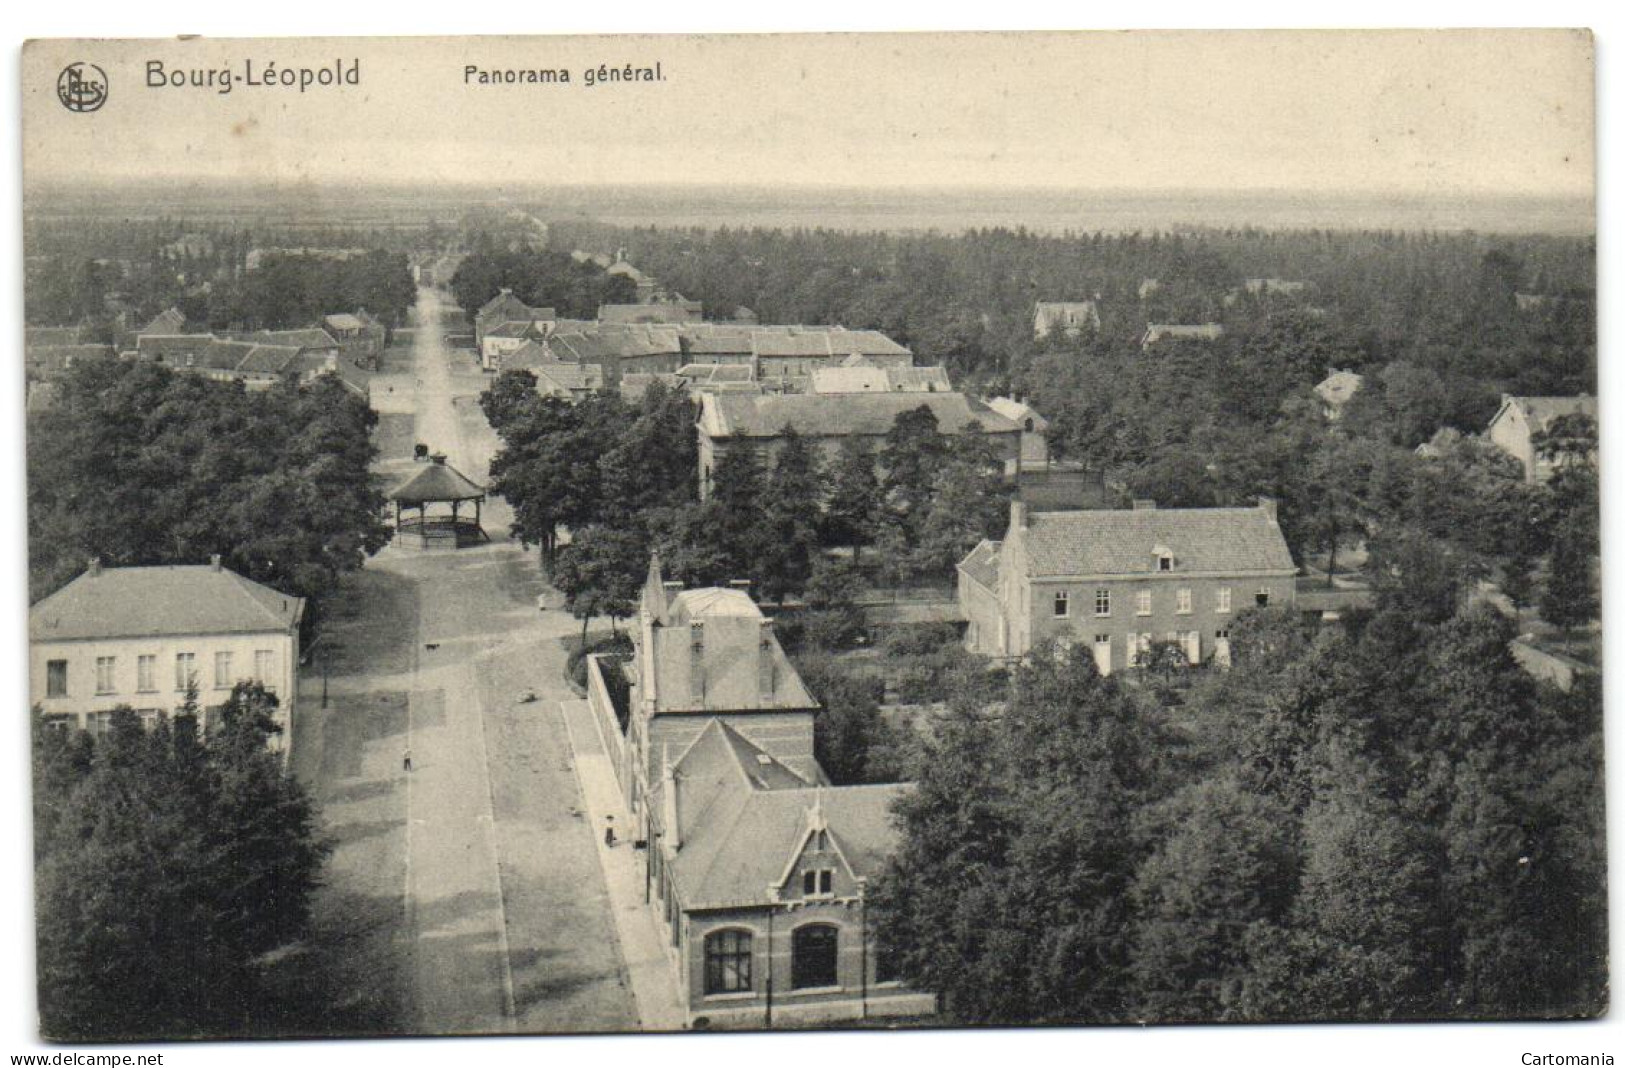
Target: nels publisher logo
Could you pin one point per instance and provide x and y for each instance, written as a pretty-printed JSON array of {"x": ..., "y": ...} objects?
[{"x": 82, "y": 87}]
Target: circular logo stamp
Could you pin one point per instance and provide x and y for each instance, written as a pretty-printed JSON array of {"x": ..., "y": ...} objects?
[{"x": 82, "y": 87}]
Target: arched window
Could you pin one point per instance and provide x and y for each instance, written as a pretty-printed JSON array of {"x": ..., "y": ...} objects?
[
  {"x": 727, "y": 962},
  {"x": 813, "y": 956}
]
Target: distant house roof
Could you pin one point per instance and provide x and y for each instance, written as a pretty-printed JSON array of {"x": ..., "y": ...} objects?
[
  {"x": 1339, "y": 387},
  {"x": 714, "y": 374},
  {"x": 725, "y": 415},
  {"x": 1155, "y": 332},
  {"x": 1540, "y": 411},
  {"x": 859, "y": 375},
  {"x": 343, "y": 321},
  {"x": 310, "y": 337},
  {"x": 515, "y": 328},
  {"x": 634, "y": 385},
  {"x": 570, "y": 377},
  {"x": 666, "y": 311},
  {"x": 612, "y": 342},
  {"x": 437, "y": 481},
  {"x": 1126, "y": 542},
  {"x": 150, "y": 602},
  {"x": 1065, "y": 314},
  {"x": 1018, "y": 412},
  {"x": 983, "y": 564},
  {"x": 169, "y": 321}
]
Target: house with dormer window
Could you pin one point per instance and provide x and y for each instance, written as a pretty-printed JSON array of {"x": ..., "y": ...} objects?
[
  {"x": 1123, "y": 580},
  {"x": 756, "y": 864}
]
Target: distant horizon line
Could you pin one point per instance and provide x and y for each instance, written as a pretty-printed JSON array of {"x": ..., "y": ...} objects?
[{"x": 983, "y": 189}]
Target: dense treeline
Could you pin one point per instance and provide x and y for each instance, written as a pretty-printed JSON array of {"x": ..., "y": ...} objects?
[
  {"x": 1383, "y": 819},
  {"x": 138, "y": 464},
  {"x": 1443, "y": 301},
  {"x": 168, "y": 864},
  {"x": 540, "y": 278},
  {"x": 622, "y": 480},
  {"x": 137, "y": 269}
]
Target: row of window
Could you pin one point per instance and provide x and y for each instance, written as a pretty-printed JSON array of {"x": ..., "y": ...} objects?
[
  {"x": 814, "y": 960},
  {"x": 99, "y": 723},
  {"x": 146, "y": 673},
  {"x": 1183, "y": 602}
]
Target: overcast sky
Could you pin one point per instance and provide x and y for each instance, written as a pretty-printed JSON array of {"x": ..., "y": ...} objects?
[{"x": 1495, "y": 112}]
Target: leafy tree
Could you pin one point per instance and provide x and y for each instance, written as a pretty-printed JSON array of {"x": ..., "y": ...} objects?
[
  {"x": 855, "y": 498},
  {"x": 790, "y": 507},
  {"x": 172, "y": 863},
  {"x": 600, "y": 572},
  {"x": 1570, "y": 598},
  {"x": 911, "y": 458}
]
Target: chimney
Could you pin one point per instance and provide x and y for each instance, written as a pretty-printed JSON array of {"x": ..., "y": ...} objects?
[
  {"x": 1267, "y": 506},
  {"x": 214, "y": 562},
  {"x": 766, "y": 665},
  {"x": 696, "y": 663},
  {"x": 742, "y": 585},
  {"x": 1142, "y": 504},
  {"x": 1018, "y": 514},
  {"x": 670, "y": 814},
  {"x": 95, "y": 568}
]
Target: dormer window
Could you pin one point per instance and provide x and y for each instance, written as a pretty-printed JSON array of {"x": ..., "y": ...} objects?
[{"x": 1164, "y": 557}]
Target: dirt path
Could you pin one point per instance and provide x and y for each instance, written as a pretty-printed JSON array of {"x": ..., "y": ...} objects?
[{"x": 497, "y": 919}]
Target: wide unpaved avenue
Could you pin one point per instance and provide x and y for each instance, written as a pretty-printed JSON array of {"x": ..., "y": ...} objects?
[{"x": 465, "y": 896}]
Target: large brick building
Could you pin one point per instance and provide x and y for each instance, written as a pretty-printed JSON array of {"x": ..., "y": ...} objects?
[
  {"x": 756, "y": 864},
  {"x": 143, "y": 636},
  {"x": 1119, "y": 580}
]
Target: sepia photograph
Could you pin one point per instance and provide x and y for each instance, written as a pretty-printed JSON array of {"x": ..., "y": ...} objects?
[{"x": 876, "y": 531}]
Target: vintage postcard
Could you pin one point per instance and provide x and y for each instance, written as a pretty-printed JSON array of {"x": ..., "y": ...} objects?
[{"x": 612, "y": 534}]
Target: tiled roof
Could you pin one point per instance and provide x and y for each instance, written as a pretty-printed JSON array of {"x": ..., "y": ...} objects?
[
  {"x": 835, "y": 415},
  {"x": 1542, "y": 410},
  {"x": 740, "y": 834},
  {"x": 309, "y": 337},
  {"x": 436, "y": 482},
  {"x": 169, "y": 321},
  {"x": 145, "y": 602},
  {"x": 573, "y": 377},
  {"x": 1099, "y": 542},
  {"x": 983, "y": 564},
  {"x": 1017, "y": 412}
]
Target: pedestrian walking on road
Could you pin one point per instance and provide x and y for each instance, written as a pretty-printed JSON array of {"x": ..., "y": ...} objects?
[{"x": 406, "y": 761}]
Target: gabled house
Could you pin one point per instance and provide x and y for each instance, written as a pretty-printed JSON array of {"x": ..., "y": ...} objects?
[
  {"x": 143, "y": 636},
  {"x": 757, "y": 867},
  {"x": 361, "y": 338},
  {"x": 1120, "y": 580},
  {"x": 504, "y": 322},
  {"x": 1070, "y": 317},
  {"x": 1519, "y": 421}
]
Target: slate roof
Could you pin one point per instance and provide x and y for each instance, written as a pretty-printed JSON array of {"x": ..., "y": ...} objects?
[
  {"x": 49, "y": 359},
  {"x": 1540, "y": 411},
  {"x": 983, "y": 564},
  {"x": 595, "y": 343},
  {"x": 169, "y": 321},
  {"x": 574, "y": 377},
  {"x": 437, "y": 482},
  {"x": 151, "y": 602},
  {"x": 1018, "y": 412},
  {"x": 1100, "y": 542},
  {"x": 742, "y": 820},
  {"x": 309, "y": 337},
  {"x": 724, "y": 415}
]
